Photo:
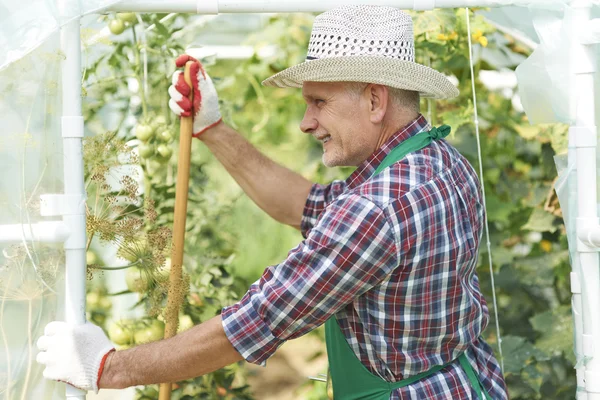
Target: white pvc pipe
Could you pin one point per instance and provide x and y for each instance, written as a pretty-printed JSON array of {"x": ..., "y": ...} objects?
[
  {"x": 74, "y": 216},
  {"x": 576, "y": 300},
  {"x": 590, "y": 236},
  {"x": 272, "y": 6},
  {"x": 582, "y": 57},
  {"x": 47, "y": 231}
]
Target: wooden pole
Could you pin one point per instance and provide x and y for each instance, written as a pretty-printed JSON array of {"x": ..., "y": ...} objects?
[{"x": 175, "y": 294}]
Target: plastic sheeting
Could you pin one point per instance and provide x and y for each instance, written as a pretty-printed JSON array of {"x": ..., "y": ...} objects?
[
  {"x": 25, "y": 25},
  {"x": 31, "y": 273},
  {"x": 545, "y": 79},
  {"x": 31, "y": 288}
]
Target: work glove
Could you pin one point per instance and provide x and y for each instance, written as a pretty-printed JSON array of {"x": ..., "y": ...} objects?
[
  {"x": 74, "y": 354},
  {"x": 205, "y": 107}
]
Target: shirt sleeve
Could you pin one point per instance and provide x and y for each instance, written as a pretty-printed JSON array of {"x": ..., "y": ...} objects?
[
  {"x": 350, "y": 250},
  {"x": 318, "y": 198}
]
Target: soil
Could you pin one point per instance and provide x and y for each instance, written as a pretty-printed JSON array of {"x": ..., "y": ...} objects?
[{"x": 287, "y": 371}]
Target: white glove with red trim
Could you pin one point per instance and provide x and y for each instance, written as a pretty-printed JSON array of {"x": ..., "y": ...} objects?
[
  {"x": 205, "y": 107},
  {"x": 74, "y": 354}
]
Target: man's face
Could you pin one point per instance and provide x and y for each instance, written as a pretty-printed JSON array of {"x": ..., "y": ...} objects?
[{"x": 339, "y": 120}]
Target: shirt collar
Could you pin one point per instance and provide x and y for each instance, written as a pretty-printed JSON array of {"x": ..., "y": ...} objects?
[{"x": 366, "y": 168}]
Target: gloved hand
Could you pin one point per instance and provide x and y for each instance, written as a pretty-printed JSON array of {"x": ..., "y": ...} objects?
[
  {"x": 74, "y": 354},
  {"x": 205, "y": 107}
]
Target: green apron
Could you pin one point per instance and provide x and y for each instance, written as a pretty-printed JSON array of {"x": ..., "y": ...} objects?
[{"x": 350, "y": 379}]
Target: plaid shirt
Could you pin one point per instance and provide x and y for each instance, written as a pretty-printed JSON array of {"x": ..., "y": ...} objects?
[{"x": 393, "y": 258}]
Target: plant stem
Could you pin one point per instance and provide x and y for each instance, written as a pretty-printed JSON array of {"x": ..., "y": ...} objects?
[
  {"x": 108, "y": 80},
  {"x": 30, "y": 352},
  {"x": 117, "y": 268},
  {"x": 147, "y": 184},
  {"x": 137, "y": 69},
  {"x": 5, "y": 340}
]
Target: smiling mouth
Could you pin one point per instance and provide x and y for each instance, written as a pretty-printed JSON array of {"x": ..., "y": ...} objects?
[{"x": 324, "y": 139}]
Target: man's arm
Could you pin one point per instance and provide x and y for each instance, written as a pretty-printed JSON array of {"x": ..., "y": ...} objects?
[
  {"x": 277, "y": 190},
  {"x": 195, "y": 352}
]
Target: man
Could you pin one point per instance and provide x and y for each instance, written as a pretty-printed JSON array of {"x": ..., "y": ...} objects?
[{"x": 388, "y": 261}]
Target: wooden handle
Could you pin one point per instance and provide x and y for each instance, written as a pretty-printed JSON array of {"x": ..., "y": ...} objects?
[{"x": 176, "y": 290}]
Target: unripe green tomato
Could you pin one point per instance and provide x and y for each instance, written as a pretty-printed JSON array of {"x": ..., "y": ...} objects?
[
  {"x": 119, "y": 334},
  {"x": 160, "y": 120},
  {"x": 98, "y": 318},
  {"x": 152, "y": 333},
  {"x": 90, "y": 258},
  {"x": 165, "y": 136},
  {"x": 165, "y": 151},
  {"x": 164, "y": 272},
  {"x": 154, "y": 167},
  {"x": 92, "y": 300},
  {"x": 185, "y": 323},
  {"x": 129, "y": 17},
  {"x": 144, "y": 132},
  {"x": 136, "y": 280},
  {"x": 105, "y": 303},
  {"x": 116, "y": 26},
  {"x": 146, "y": 150}
]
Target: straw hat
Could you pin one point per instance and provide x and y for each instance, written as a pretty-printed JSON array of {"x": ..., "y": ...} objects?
[{"x": 370, "y": 44}]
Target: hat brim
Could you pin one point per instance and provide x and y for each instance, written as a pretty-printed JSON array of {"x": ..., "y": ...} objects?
[{"x": 392, "y": 72}]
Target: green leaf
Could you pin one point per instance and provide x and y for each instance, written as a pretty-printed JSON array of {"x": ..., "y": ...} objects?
[
  {"x": 497, "y": 209},
  {"x": 431, "y": 21},
  {"x": 533, "y": 376},
  {"x": 556, "y": 329},
  {"x": 518, "y": 353},
  {"x": 161, "y": 29},
  {"x": 540, "y": 221},
  {"x": 457, "y": 118}
]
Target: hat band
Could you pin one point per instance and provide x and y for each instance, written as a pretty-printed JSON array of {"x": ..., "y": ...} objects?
[{"x": 398, "y": 49}]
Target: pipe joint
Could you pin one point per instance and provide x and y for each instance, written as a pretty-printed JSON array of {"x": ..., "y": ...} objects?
[
  {"x": 44, "y": 232},
  {"x": 52, "y": 205},
  {"x": 583, "y": 136},
  {"x": 592, "y": 381},
  {"x": 588, "y": 235},
  {"x": 208, "y": 7},
  {"x": 77, "y": 238}
]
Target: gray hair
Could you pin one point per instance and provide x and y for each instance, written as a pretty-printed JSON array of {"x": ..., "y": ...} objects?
[{"x": 404, "y": 99}]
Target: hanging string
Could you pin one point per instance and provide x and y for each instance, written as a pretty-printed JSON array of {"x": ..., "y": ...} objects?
[{"x": 487, "y": 228}]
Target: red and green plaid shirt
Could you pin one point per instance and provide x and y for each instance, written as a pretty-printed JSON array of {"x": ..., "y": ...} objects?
[{"x": 393, "y": 258}]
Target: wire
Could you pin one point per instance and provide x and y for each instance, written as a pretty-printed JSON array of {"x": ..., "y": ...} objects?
[{"x": 487, "y": 228}]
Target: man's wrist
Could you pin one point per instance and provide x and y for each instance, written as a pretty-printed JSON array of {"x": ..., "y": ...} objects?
[
  {"x": 109, "y": 376},
  {"x": 211, "y": 131}
]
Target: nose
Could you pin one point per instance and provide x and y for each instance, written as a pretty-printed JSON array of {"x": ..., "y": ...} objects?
[{"x": 309, "y": 123}]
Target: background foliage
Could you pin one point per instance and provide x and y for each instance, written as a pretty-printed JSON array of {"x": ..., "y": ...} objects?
[{"x": 230, "y": 241}]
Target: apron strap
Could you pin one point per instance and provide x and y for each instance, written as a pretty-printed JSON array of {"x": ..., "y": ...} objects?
[{"x": 466, "y": 366}]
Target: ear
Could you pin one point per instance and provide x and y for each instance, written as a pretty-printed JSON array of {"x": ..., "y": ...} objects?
[{"x": 378, "y": 102}]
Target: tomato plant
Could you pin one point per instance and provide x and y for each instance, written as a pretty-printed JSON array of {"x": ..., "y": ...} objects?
[
  {"x": 527, "y": 238},
  {"x": 137, "y": 217}
]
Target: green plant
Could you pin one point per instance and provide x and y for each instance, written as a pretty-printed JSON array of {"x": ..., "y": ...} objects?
[
  {"x": 229, "y": 241},
  {"x": 134, "y": 211}
]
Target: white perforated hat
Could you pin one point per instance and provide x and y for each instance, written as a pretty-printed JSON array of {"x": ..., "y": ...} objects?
[{"x": 370, "y": 44}]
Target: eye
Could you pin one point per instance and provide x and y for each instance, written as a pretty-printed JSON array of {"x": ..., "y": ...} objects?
[{"x": 319, "y": 102}]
